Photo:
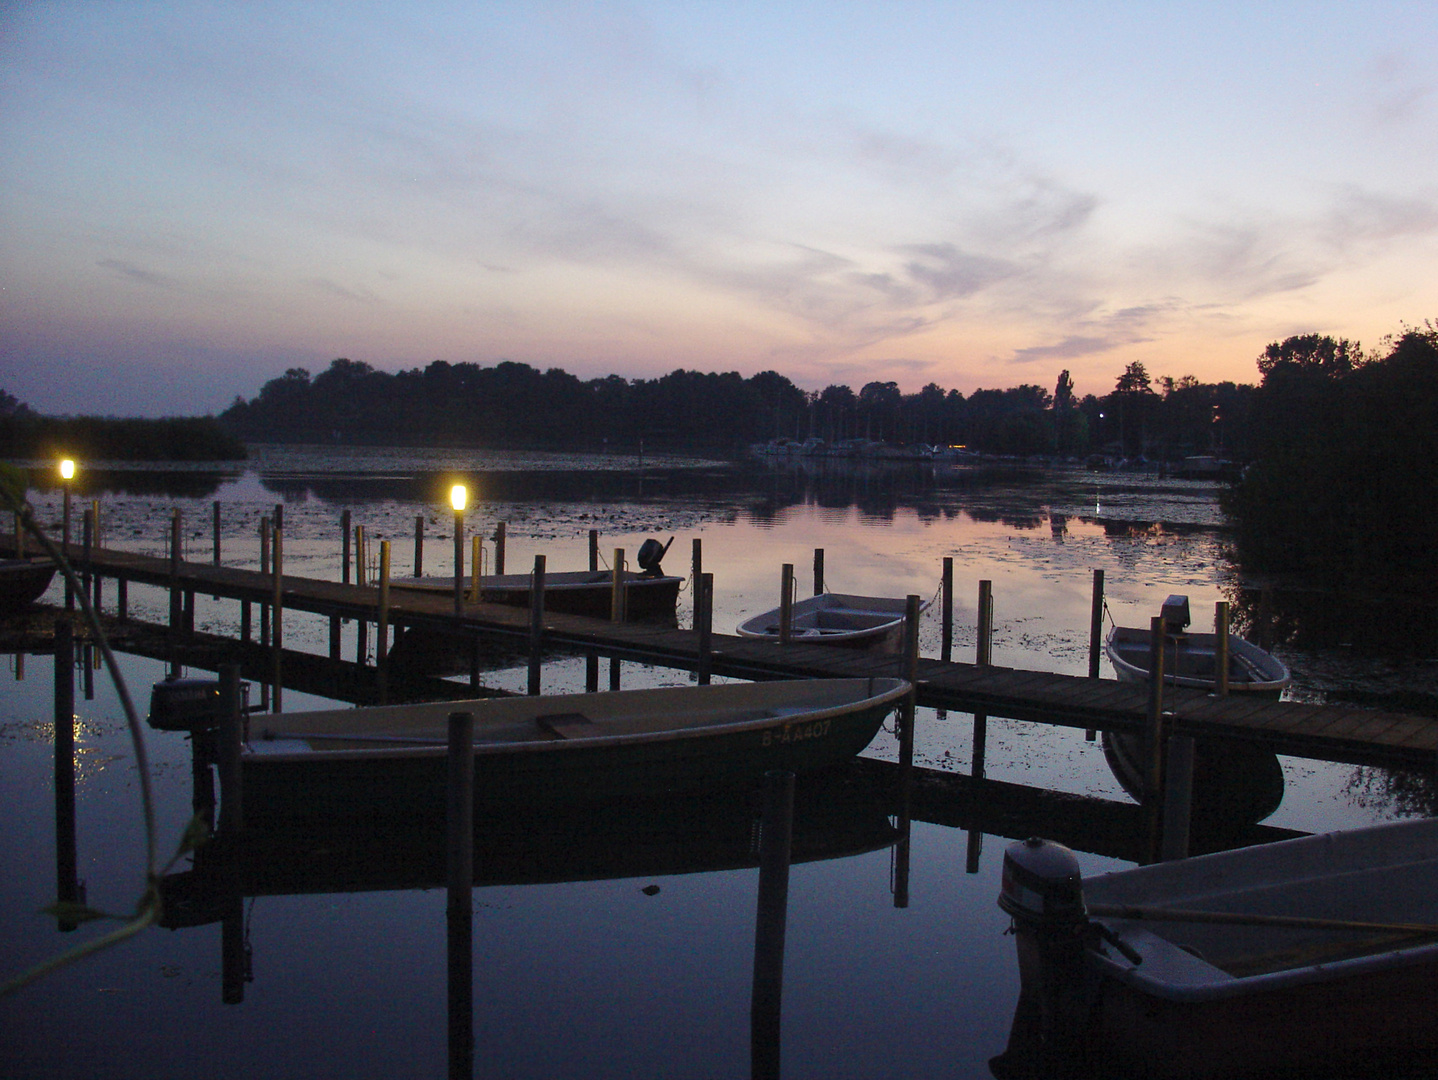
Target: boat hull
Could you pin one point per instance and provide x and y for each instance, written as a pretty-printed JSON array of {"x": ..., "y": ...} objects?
[
  {"x": 586, "y": 593},
  {"x": 408, "y": 782},
  {"x": 1233, "y": 780},
  {"x": 868, "y": 623},
  {"x": 1190, "y": 661},
  {"x": 23, "y": 581}
]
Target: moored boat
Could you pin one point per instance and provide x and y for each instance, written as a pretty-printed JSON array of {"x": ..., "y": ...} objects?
[
  {"x": 576, "y": 592},
  {"x": 1191, "y": 660},
  {"x": 857, "y": 622},
  {"x": 1311, "y": 952},
  {"x": 389, "y": 761},
  {"x": 23, "y": 581}
]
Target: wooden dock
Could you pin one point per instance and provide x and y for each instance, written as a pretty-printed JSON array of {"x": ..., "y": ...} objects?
[{"x": 1324, "y": 732}]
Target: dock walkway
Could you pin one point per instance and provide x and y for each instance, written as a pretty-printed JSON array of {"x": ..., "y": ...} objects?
[{"x": 1324, "y": 732}]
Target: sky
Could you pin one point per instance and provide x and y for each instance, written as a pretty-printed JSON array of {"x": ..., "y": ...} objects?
[{"x": 196, "y": 197}]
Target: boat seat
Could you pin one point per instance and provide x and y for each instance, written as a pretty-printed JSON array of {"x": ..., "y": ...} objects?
[{"x": 565, "y": 725}]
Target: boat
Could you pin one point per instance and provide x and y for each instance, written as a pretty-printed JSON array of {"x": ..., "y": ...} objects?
[
  {"x": 1190, "y": 660},
  {"x": 389, "y": 762},
  {"x": 858, "y": 622},
  {"x": 1314, "y": 952},
  {"x": 23, "y": 581},
  {"x": 1233, "y": 779},
  {"x": 576, "y": 592}
]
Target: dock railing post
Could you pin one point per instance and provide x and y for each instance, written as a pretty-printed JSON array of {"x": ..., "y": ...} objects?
[
  {"x": 946, "y": 600},
  {"x": 776, "y": 832},
  {"x": 786, "y": 603},
  {"x": 231, "y": 737},
  {"x": 594, "y": 551},
  {"x": 499, "y": 531},
  {"x": 536, "y": 624},
  {"x": 1095, "y": 635},
  {"x": 616, "y": 610},
  {"x": 984, "y": 654},
  {"x": 216, "y": 531},
  {"x": 277, "y": 620},
  {"x": 704, "y": 613},
  {"x": 458, "y": 561},
  {"x": 419, "y": 545},
  {"x": 381, "y": 645},
  {"x": 1154, "y": 736},
  {"x": 818, "y": 571},
  {"x": 1220, "y": 648},
  {"x": 176, "y": 605}
]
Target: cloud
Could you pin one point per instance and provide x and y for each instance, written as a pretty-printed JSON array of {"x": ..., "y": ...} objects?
[{"x": 136, "y": 273}]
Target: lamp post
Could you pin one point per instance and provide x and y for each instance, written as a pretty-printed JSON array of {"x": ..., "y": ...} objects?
[
  {"x": 457, "y": 498},
  {"x": 67, "y": 474}
]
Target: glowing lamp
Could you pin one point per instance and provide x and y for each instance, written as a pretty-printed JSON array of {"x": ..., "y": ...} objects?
[
  {"x": 458, "y": 495},
  {"x": 67, "y": 469}
]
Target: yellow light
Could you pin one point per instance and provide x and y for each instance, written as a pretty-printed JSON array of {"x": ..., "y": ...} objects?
[
  {"x": 67, "y": 469},
  {"x": 457, "y": 497}
]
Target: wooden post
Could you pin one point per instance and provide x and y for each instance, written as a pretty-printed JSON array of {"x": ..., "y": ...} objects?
[
  {"x": 345, "y": 547},
  {"x": 361, "y": 562},
  {"x": 66, "y": 847},
  {"x": 776, "y": 833},
  {"x": 231, "y": 736},
  {"x": 1154, "y": 736},
  {"x": 277, "y": 620},
  {"x": 176, "y": 607},
  {"x": 1220, "y": 648},
  {"x": 217, "y": 531},
  {"x": 264, "y": 569},
  {"x": 99, "y": 542},
  {"x": 1095, "y": 636},
  {"x": 818, "y": 571},
  {"x": 459, "y": 879},
  {"x": 419, "y": 545},
  {"x": 616, "y": 610},
  {"x": 786, "y": 603},
  {"x": 704, "y": 616},
  {"x": 88, "y": 549},
  {"x": 946, "y": 588},
  {"x": 593, "y": 551},
  {"x": 1178, "y": 796},
  {"x": 476, "y": 566},
  {"x": 65, "y": 546},
  {"x": 499, "y": 547},
  {"x": 458, "y": 563},
  {"x": 381, "y": 644},
  {"x": 536, "y": 624},
  {"x": 985, "y": 647}
]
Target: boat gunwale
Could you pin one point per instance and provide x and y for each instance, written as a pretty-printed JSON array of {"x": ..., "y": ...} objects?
[
  {"x": 1238, "y": 646},
  {"x": 827, "y": 601}
]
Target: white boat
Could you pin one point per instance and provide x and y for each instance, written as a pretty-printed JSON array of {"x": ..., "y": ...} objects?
[
  {"x": 860, "y": 622},
  {"x": 390, "y": 760},
  {"x": 1191, "y": 660},
  {"x": 1304, "y": 953}
]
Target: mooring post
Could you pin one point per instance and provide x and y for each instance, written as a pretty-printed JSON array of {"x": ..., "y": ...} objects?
[
  {"x": 265, "y": 570},
  {"x": 704, "y": 614},
  {"x": 818, "y": 571},
  {"x": 776, "y": 833},
  {"x": 227, "y": 751},
  {"x": 458, "y": 562},
  {"x": 1095, "y": 636},
  {"x": 361, "y": 561},
  {"x": 216, "y": 509},
  {"x": 176, "y": 611},
  {"x": 1220, "y": 648},
  {"x": 499, "y": 531},
  {"x": 87, "y": 549},
  {"x": 277, "y": 609},
  {"x": 786, "y": 603},
  {"x": 419, "y": 545},
  {"x": 616, "y": 611},
  {"x": 907, "y": 729},
  {"x": 1154, "y": 737},
  {"x": 946, "y": 600},
  {"x": 984, "y": 655},
  {"x": 1178, "y": 796},
  {"x": 476, "y": 566},
  {"x": 594, "y": 551},
  {"x": 99, "y": 543},
  {"x": 344, "y": 547},
  {"x": 66, "y": 847},
  {"x": 382, "y": 622},
  {"x": 536, "y": 624}
]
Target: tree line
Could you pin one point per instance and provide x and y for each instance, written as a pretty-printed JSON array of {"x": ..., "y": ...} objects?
[
  {"x": 25, "y": 433},
  {"x": 513, "y": 405}
]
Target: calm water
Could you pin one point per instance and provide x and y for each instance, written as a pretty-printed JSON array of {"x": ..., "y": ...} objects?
[{"x": 644, "y": 967}]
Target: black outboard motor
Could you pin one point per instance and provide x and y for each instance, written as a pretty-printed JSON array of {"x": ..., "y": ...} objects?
[
  {"x": 651, "y": 553},
  {"x": 1043, "y": 891}
]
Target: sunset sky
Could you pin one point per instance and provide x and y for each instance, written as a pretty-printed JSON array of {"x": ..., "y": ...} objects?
[{"x": 196, "y": 196}]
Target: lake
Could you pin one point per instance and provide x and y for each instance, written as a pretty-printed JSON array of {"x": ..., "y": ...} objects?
[{"x": 639, "y": 960}]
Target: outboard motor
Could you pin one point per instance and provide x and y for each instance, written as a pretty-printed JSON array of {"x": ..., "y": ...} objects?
[
  {"x": 651, "y": 553},
  {"x": 1043, "y": 891},
  {"x": 1175, "y": 614}
]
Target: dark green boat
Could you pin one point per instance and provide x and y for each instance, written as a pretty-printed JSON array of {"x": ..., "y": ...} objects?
[{"x": 389, "y": 763}]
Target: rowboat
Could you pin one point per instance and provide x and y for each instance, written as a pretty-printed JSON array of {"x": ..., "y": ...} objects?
[
  {"x": 576, "y": 592},
  {"x": 390, "y": 761},
  {"x": 1191, "y": 660},
  {"x": 23, "y": 581},
  {"x": 1232, "y": 779},
  {"x": 1312, "y": 952},
  {"x": 857, "y": 622}
]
